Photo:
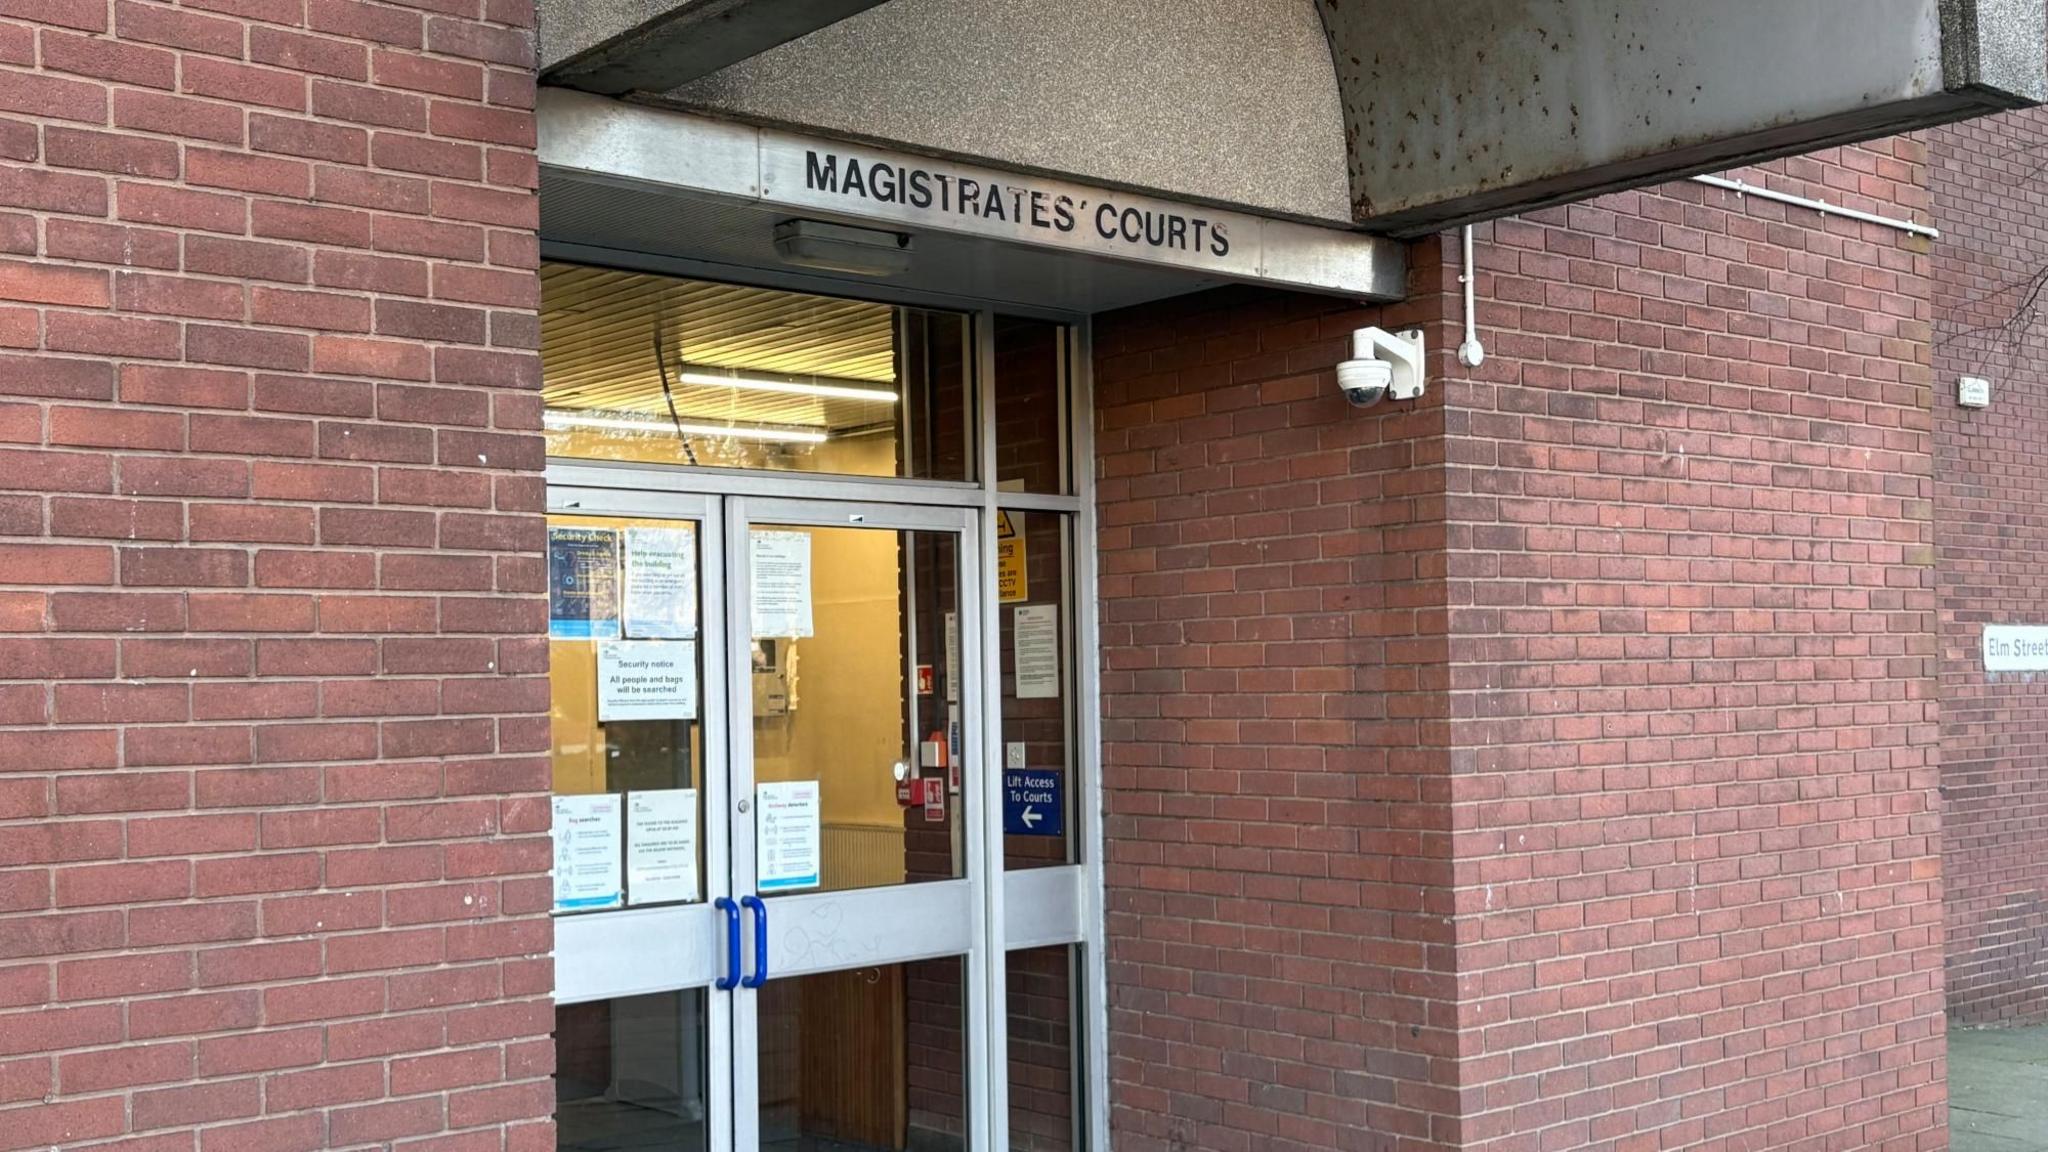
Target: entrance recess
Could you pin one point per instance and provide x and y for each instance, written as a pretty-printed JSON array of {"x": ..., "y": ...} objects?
[
  {"x": 827, "y": 813},
  {"x": 824, "y": 981}
]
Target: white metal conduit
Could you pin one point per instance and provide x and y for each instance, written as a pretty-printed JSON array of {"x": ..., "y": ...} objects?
[
  {"x": 1741, "y": 188},
  {"x": 1472, "y": 352}
]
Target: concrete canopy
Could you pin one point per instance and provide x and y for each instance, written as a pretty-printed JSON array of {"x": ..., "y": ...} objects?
[
  {"x": 1387, "y": 115},
  {"x": 1462, "y": 111},
  {"x": 618, "y": 46}
]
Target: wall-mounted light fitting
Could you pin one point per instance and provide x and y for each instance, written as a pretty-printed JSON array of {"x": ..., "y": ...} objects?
[{"x": 842, "y": 248}]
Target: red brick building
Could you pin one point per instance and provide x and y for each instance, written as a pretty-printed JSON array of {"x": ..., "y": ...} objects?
[{"x": 1596, "y": 752}]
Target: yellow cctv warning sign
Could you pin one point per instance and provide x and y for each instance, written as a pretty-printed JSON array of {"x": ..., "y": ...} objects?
[{"x": 1011, "y": 582}]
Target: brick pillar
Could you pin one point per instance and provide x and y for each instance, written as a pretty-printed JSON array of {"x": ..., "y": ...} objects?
[
  {"x": 273, "y": 773},
  {"x": 1275, "y": 748},
  {"x": 1699, "y": 899},
  {"x": 1989, "y": 489}
]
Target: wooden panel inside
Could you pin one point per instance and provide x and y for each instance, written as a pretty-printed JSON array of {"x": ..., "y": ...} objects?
[{"x": 852, "y": 1062}]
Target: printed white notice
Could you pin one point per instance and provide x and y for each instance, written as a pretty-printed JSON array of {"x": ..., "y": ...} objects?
[
  {"x": 586, "y": 852},
  {"x": 781, "y": 569},
  {"x": 786, "y": 832},
  {"x": 952, "y": 657},
  {"x": 646, "y": 680},
  {"x": 2015, "y": 648},
  {"x": 1037, "y": 636},
  {"x": 661, "y": 846},
  {"x": 658, "y": 596}
]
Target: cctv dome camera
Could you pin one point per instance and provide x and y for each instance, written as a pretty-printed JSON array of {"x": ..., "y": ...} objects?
[
  {"x": 1364, "y": 382},
  {"x": 1382, "y": 364}
]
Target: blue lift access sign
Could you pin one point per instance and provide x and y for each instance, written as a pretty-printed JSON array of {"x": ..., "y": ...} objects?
[{"x": 1032, "y": 802}]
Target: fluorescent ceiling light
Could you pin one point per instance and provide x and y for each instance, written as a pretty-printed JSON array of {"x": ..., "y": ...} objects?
[
  {"x": 559, "y": 420},
  {"x": 788, "y": 387}
]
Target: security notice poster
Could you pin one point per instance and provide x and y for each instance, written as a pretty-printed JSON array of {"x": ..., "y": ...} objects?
[
  {"x": 658, "y": 594},
  {"x": 586, "y": 852},
  {"x": 661, "y": 846},
  {"x": 646, "y": 680},
  {"x": 781, "y": 570},
  {"x": 583, "y": 583},
  {"x": 786, "y": 836},
  {"x": 1013, "y": 564},
  {"x": 1037, "y": 634}
]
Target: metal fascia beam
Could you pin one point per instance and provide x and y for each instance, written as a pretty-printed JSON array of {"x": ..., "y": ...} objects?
[{"x": 618, "y": 141}]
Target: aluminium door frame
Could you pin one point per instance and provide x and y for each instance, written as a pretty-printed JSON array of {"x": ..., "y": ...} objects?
[
  {"x": 1032, "y": 907},
  {"x": 967, "y": 898},
  {"x": 634, "y": 951}
]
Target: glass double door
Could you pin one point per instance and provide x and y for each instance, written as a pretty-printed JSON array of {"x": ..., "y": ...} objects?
[{"x": 771, "y": 855}]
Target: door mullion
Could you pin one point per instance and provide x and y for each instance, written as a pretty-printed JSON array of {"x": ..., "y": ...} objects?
[
  {"x": 715, "y": 635},
  {"x": 742, "y": 1003},
  {"x": 981, "y": 593}
]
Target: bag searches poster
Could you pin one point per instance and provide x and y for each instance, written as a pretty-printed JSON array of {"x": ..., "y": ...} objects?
[
  {"x": 786, "y": 835},
  {"x": 587, "y": 839}
]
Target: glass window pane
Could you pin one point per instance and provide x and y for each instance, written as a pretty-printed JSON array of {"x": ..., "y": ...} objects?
[
  {"x": 632, "y": 1074},
  {"x": 867, "y": 1058},
  {"x": 661, "y": 370},
  {"x": 1031, "y": 408},
  {"x": 1037, "y": 718},
  {"x": 624, "y": 603},
  {"x": 1042, "y": 1027},
  {"x": 834, "y": 709}
]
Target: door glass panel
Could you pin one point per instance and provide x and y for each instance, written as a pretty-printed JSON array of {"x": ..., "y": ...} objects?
[
  {"x": 1030, "y": 402},
  {"x": 857, "y": 749},
  {"x": 1039, "y": 788},
  {"x": 1041, "y": 1031},
  {"x": 626, "y": 675},
  {"x": 865, "y": 1058},
  {"x": 661, "y": 370},
  {"x": 632, "y": 1074}
]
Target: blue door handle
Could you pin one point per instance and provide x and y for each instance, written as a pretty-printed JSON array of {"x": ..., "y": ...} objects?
[
  {"x": 731, "y": 979},
  {"x": 760, "y": 975}
]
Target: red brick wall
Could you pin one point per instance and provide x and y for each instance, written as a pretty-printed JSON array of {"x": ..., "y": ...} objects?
[
  {"x": 1621, "y": 645},
  {"x": 1692, "y": 600},
  {"x": 272, "y": 771},
  {"x": 1274, "y": 742},
  {"x": 1989, "y": 489}
]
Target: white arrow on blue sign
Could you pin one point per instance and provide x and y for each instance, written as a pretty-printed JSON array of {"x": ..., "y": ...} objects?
[{"x": 1034, "y": 803}]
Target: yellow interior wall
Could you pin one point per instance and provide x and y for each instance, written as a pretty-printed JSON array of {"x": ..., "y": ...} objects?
[
  {"x": 847, "y": 727},
  {"x": 578, "y": 738}
]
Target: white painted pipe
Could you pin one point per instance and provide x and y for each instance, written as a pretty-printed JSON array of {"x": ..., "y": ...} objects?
[
  {"x": 1471, "y": 353},
  {"x": 1821, "y": 206}
]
